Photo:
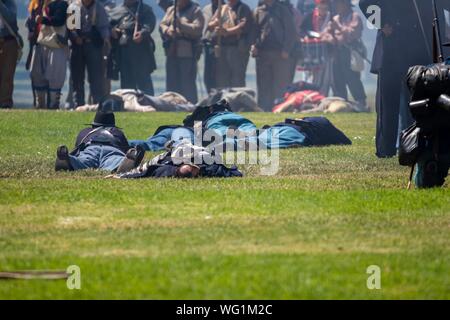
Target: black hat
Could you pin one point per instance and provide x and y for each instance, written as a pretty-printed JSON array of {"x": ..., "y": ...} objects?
[{"x": 104, "y": 119}]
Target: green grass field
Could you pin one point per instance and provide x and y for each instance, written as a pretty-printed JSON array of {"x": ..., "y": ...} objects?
[{"x": 309, "y": 232}]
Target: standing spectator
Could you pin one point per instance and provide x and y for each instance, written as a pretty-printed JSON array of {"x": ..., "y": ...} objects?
[
  {"x": 315, "y": 49},
  {"x": 134, "y": 52},
  {"x": 9, "y": 48},
  {"x": 50, "y": 54},
  {"x": 235, "y": 29},
  {"x": 209, "y": 71},
  {"x": 33, "y": 8},
  {"x": 275, "y": 38},
  {"x": 345, "y": 32},
  {"x": 88, "y": 46},
  {"x": 183, "y": 47}
]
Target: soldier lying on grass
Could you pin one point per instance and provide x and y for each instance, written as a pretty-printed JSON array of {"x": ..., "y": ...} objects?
[{"x": 101, "y": 146}]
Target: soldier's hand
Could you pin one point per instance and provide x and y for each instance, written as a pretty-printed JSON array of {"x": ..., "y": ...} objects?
[
  {"x": 137, "y": 37},
  {"x": 38, "y": 19},
  {"x": 387, "y": 30},
  {"x": 335, "y": 25},
  {"x": 284, "y": 55},
  {"x": 115, "y": 33},
  {"x": 254, "y": 51},
  {"x": 106, "y": 47},
  {"x": 170, "y": 32},
  {"x": 78, "y": 41},
  {"x": 221, "y": 31},
  {"x": 213, "y": 23}
]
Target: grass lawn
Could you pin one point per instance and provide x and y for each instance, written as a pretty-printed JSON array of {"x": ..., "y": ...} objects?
[{"x": 309, "y": 232}]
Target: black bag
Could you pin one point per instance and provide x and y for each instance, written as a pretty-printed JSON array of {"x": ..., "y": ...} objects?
[
  {"x": 410, "y": 145},
  {"x": 202, "y": 113}
]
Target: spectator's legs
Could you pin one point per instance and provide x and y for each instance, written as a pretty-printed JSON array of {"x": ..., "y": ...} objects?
[
  {"x": 387, "y": 105},
  {"x": 356, "y": 87},
  {"x": 209, "y": 73},
  {"x": 127, "y": 80},
  {"x": 341, "y": 65},
  {"x": 94, "y": 63},
  {"x": 172, "y": 74},
  {"x": 224, "y": 67},
  {"x": 37, "y": 71},
  {"x": 56, "y": 74},
  {"x": 8, "y": 58},
  {"x": 77, "y": 74},
  {"x": 188, "y": 78},
  {"x": 264, "y": 81},
  {"x": 282, "y": 72},
  {"x": 241, "y": 67}
]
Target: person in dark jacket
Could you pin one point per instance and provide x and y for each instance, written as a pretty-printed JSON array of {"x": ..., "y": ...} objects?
[
  {"x": 403, "y": 40},
  {"x": 182, "y": 47},
  {"x": 345, "y": 33},
  {"x": 208, "y": 40},
  {"x": 275, "y": 36},
  {"x": 102, "y": 146},
  {"x": 175, "y": 164},
  {"x": 134, "y": 52},
  {"x": 88, "y": 45}
]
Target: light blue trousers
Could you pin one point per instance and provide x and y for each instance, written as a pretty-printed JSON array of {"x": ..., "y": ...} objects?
[{"x": 98, "y": 157}]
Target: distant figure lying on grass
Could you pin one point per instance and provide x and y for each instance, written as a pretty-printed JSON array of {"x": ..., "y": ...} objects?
[
  {"x": 137, "y": 101},
  {"x": 101, "y": 146},
  {"x": 220, "y": 119},
  {"x": 179, "y": 162}
]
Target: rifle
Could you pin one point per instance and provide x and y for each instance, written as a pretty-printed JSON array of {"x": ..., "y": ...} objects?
[
  {"x": 137, "y": 18},
  {"x": 438, "y": 56},
  {"x": 218, "y": 46},
  {"x": 175, "y": 27}
]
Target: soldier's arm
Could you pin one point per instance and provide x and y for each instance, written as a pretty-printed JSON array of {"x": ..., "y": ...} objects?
[
  {"x": 327, "y": 34},
  {"x": 193, "y": 29},
  {"x": 245, "y": 20},
  {"x": 255, "y": 30},
  {"x": 148, "y": 21},
  {"x": 8, "y": 11},
  {"x": 210, "y": 19},
  {"x": 165, "y": 22},
  {"x": 248, "y": 16},
  {"x": 57, "y": 14},
  {"x": 352, "y": 31}
]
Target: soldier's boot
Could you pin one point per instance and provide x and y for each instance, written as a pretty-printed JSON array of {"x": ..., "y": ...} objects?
[
  {"x": 62, "y": 162},
  {"x": 133, "y": 159},
  {"x": 54, "y": 99},
  {"x": 41, "y": 99}
]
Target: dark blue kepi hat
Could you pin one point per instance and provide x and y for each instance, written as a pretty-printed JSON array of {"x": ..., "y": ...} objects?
[{"x": 104, "y": 119}]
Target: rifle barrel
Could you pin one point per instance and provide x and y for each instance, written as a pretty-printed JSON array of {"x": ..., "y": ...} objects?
[{"x": 437, "y": 44}]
